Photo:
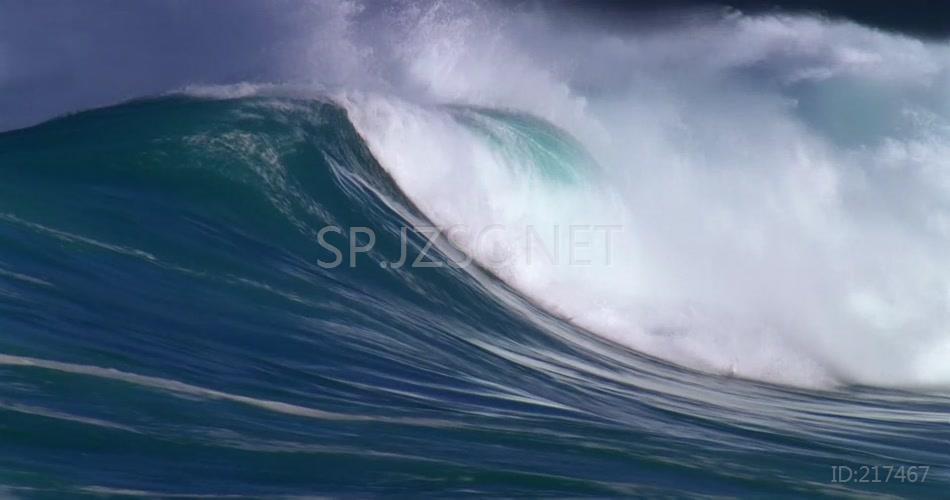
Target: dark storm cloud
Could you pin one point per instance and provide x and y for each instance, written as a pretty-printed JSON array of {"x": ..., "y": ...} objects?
[{"x": 925, "y": 18}]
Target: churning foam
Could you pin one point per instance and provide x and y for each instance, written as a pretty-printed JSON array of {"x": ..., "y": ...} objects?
[{"x": 782, "y": 182}]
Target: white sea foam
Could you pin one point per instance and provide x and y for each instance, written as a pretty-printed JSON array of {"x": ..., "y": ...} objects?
[{"x": 782, "y": 182}]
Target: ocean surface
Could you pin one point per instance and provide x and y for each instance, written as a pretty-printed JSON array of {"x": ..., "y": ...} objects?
[
  {"x": 354, "y": 249},
  {"x": 167, "y": 331}
]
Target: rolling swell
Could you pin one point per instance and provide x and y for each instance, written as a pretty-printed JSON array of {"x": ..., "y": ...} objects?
[{"x": 167, "y": 330}]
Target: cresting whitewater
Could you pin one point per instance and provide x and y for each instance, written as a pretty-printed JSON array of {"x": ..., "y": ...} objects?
[{"x": 773, "y": 311}]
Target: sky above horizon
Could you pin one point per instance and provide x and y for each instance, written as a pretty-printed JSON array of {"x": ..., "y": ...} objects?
[{"x": 58, "y": 57}]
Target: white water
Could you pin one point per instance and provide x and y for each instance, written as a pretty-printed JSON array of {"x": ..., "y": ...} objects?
[{"x": 782, "y": 183}]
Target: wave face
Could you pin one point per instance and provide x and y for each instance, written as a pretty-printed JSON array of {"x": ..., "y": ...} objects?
[
  {"x": 168, "y": 330},
  {"x": 759, "y": 196}
]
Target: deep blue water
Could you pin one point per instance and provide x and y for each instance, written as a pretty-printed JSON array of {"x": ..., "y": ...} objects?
[{"x": 166, "y": 329}]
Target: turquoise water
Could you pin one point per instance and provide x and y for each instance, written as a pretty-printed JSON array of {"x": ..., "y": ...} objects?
[{"x": 166, "y": 329}]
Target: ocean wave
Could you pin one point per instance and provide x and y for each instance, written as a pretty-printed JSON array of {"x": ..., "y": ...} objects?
[{"x": 457, "y": 254}]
